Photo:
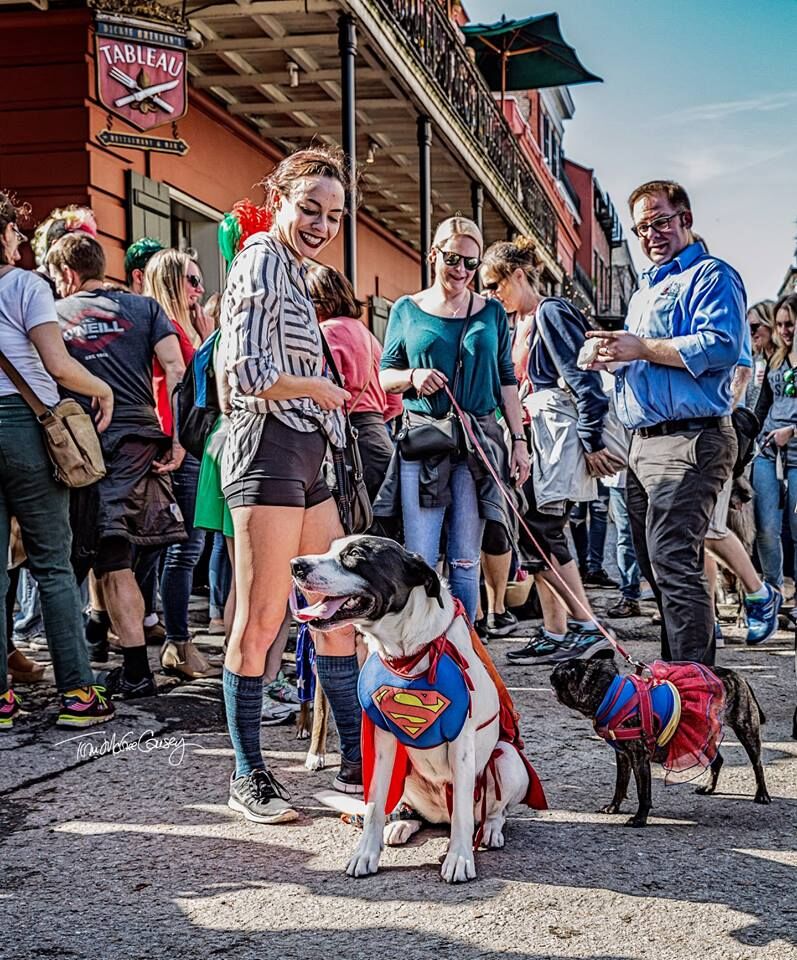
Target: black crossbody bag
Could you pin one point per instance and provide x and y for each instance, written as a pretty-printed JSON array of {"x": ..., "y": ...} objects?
[
  {"x": 351, "y": 495},
  {"x": 423, "y": 436}
]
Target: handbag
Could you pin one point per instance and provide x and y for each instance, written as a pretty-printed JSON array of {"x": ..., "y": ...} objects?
[
  {"x": 69, "y": 434},
  {"x": 354, "y": 505},
  {"x": 747, "y": 427},
  {"x": 422, "y": 436}
]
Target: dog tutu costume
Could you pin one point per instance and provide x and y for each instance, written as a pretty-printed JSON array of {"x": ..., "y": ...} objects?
[{"x": 677, "y": 712}]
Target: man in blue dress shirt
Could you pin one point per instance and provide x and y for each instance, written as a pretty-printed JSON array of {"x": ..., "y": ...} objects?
[{"x": 683, "y": 337}]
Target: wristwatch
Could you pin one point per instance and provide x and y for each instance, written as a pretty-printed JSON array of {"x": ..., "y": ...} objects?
[{"x": 518, "y": 438}]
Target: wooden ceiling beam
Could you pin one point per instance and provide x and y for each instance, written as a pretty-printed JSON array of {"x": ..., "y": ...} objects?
[
  {"x": 282, "y": 78},
  {"x": 310, "y": 106},
  {"x": 266, "y": 44},
  {"x": 228, "y": 11}
]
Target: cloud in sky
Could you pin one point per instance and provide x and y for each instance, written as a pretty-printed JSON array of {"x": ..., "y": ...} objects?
[
  {"x": 707, "y": 112},
  {"x": 703, "y": 163}
]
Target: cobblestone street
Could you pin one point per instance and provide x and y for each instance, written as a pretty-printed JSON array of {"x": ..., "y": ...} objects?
[{"x": 137, "y": 856}]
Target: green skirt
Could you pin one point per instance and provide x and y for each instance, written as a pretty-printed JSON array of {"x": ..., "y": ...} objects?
[{"x": 212, "y": 512}]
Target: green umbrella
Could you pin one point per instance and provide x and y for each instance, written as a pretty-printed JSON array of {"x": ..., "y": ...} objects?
[{"x": 525, "y": 54}]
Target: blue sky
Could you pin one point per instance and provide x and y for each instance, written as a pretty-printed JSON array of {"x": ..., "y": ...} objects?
[{"x": 700, "y": 91}]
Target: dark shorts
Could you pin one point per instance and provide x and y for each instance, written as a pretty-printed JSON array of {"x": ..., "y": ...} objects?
[
  {"x": 285, "y": 470},
  {"x": 549, "y": 532},
  {"x": 495, "y": 540}
]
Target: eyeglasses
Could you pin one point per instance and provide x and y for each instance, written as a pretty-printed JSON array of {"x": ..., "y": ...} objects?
[
  {"x": 18, "y": 233},
  {"x": 453, "y": 260},
  {"x": 755, "y": 327},
  {"x": 659, "y": 224},
  {"x": 194, "y": 280}
]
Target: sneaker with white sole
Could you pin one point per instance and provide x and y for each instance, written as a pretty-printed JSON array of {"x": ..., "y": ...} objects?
[
  {"x": 261, "y": 798},
  {"x": 545, "y": 649},
  {"x": 349, "y": 779},
  {"x": 762, "y": 616}
]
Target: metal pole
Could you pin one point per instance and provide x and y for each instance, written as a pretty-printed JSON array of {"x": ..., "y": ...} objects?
[
  {"x": 425, "y": 189},
  {"x": 347, "y": 48},
  {"x": 477, "y": 214}
]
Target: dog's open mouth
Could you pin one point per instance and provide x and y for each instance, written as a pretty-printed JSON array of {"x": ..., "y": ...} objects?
[{"x": 327, "y": 611}]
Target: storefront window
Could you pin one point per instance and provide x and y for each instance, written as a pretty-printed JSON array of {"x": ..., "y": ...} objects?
[{"x": 194, "y": 227}]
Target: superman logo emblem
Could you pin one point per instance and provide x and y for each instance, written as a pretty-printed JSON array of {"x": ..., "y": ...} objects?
[{"x": 412, "y": 711}]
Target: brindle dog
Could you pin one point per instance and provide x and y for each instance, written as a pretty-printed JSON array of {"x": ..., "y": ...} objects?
[{"x": 582, "y": 685}]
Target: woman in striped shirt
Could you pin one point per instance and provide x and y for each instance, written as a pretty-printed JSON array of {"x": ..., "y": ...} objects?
[{"x": 284, "y": 414}]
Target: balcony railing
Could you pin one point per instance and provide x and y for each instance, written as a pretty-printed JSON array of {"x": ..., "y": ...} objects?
[{"x": 434, "y": 43}]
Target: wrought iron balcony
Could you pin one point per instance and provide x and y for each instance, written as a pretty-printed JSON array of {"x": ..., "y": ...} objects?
[{"x": 433, "y": 41}]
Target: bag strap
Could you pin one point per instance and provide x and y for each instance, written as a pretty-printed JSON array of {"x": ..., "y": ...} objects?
[
  {"x": 24, "y": 390},
  {"x": 461, "y": 340}
]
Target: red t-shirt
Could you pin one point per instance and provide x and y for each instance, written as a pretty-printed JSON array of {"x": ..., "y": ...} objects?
[
  {"x": 358, "y": 354},
  {"x": 163, "y": 402}
]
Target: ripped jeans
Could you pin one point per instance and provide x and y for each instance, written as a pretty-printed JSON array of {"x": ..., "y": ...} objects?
[{"x": 423, "y": 526}]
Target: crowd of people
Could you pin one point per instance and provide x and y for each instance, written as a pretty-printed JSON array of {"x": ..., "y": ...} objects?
[{"x": 500, "y": 433}]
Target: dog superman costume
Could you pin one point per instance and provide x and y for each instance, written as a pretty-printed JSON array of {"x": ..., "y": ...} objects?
[
  {"x": 427, "y": 709},
  {"x": 677, "y": 712}
]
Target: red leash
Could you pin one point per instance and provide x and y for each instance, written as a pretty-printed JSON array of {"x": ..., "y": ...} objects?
[{"x": 465, "y": 421}]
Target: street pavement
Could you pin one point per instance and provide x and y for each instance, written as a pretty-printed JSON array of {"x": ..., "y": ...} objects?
[{"x": 133, "y": 854}]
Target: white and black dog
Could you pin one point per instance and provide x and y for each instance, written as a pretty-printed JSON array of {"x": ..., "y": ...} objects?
[{"x": 401, "y": 607}]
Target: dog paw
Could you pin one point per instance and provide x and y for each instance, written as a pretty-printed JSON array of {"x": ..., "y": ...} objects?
[
  {"x": 610, "y": 808},
  {"x": 364, "y": 862},
  {"x": 762, "y": 797},
  {"x": 315, "y": 761},
  {"x": 459, "y": 866},
  {"x": 493, "y": 836},
  {"x": 636, "y": 822},
  {"x": 302, "y": 734},
  {"x": 399, "y": 832}
]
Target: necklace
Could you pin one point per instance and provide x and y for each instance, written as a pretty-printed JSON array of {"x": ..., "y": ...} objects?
[{"x": 455, "y": 314}]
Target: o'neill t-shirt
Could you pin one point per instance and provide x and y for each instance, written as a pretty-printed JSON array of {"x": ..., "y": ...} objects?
[{"x": 113, "y": 334}]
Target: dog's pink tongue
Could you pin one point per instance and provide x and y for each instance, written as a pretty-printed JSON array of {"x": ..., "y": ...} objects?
[{"x": 322, "y": 610}]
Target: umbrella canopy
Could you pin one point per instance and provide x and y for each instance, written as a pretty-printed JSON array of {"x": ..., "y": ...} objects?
[{"x": 525, "y": 54}]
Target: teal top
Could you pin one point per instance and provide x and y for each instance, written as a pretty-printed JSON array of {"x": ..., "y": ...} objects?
[{"x": 416, "y": 338}]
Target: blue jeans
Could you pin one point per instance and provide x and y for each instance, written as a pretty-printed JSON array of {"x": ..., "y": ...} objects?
[
  {"x": 220, "y": 576},
  {"x": 769, "y": 517},
  {"x": 29, "y": 492},
  {"x": 181, "y": 558},
  {"x": 28, "y": 622},
  {"x": 626, "y": 555},
  {"x": 590, "y": 542},
  {"x": 423, "y": 526}
]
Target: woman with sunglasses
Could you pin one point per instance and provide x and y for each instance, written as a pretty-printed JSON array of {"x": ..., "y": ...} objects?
[
  {"x": 420, "y": 360},
  {"x": 761, "y": 319},
  {"x": 549, "y": 332},
  {"x": 776, "y": 462},
  {"x": 175, "y": 281}
]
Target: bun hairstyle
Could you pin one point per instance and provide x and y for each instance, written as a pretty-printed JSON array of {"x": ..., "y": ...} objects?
[
  {"x": 503, "y": 258},
  {"x": 314, "y": 161},
  {"x": 457, "y": 227}
]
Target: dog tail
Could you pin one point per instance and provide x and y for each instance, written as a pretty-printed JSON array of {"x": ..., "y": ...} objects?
[{"x": 761, "y": 715}]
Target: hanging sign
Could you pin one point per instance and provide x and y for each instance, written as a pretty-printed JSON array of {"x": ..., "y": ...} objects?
[
  {"x": 139, "y": 141},
  {"x": 141, "y": 67}
]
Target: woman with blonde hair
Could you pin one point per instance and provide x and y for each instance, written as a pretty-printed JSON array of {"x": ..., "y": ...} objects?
[
  {"x": 548, "y": 334},
  {"x": 447, "y": 337},
  {"x": 175, "y": 281},
  {"x": 761, "y": 319},
  {"x": 776, "y": 409}
]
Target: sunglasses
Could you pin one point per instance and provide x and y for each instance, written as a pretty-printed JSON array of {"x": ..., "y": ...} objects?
[
  {"x": 453, "y": 260},
  {"x": 194, "y": 280},
  {"x": 755, "y": 327},
  {"x": 790, "y": 379}
]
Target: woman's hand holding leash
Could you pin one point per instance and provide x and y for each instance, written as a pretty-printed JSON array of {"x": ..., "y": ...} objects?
[
  {"x": 780, "y": 437},
  {"x": 427, "y": 381}
]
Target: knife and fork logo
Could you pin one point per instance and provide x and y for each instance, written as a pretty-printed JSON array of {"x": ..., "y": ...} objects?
[{"x": 141, "y": 95}]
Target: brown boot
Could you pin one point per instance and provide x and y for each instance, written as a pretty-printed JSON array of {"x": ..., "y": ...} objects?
[
  {"x": 182, "y": 659},
  {"x": 23, "y": 669}
]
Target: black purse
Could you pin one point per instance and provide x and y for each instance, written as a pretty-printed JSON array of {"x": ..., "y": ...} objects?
[
  {"x": 351, "y": 495},
  {"x": 423, "y": 436}
]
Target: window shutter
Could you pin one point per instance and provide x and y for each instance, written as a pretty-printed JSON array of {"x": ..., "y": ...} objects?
[{"x": 149, "y": 209}]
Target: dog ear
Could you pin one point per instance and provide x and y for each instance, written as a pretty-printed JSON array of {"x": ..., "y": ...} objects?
[{"x": 424, "y": 576}]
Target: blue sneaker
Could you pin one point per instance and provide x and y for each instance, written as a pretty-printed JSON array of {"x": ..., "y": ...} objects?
[{"x": 762, "y": 616}]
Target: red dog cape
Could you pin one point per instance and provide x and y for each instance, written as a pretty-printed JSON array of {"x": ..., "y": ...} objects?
[
  {"x": 676, "y": 712},
  {"x": 509, "y": 732}
]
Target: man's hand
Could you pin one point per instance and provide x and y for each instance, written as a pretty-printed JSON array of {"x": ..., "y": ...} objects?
[
  {"x": 618, "y": 346},
  {"x": 171, "y": 460},
  {"x": 102, "y": 404},
  {"x": 780, "y": 437},
  {"x": 519, "y": 464},
  {"x": 601, "y": 463}
]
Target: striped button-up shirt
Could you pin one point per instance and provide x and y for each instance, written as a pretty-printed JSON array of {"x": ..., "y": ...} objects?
[{"x": 269, "y": 327}]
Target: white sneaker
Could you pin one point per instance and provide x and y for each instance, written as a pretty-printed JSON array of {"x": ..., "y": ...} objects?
[{"x": 273, "y": 712}]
